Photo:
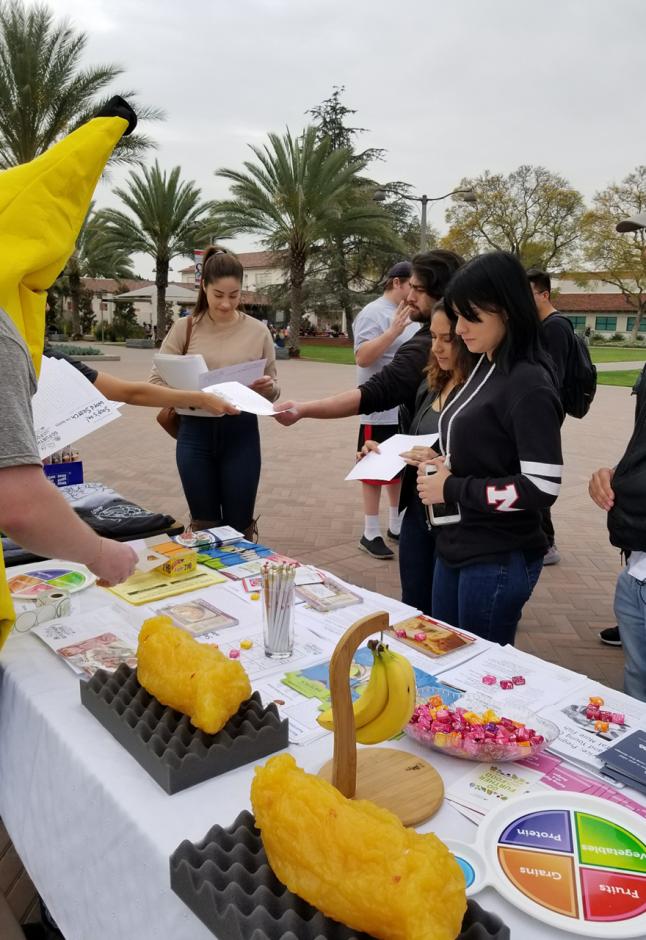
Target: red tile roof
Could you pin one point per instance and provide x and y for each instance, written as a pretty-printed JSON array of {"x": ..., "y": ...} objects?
[
  {"x": 592, "y": 303},
  {"x": 109, "y": 285},
  {"x": 251, "y": 259}
]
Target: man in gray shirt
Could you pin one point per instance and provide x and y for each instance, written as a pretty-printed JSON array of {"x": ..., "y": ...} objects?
[{"x": 32, "y": 511}]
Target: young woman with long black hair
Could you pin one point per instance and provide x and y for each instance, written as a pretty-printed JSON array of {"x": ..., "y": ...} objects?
[
  {"x": 501, "y": 457},
  {"x": 219, "y": 458}
]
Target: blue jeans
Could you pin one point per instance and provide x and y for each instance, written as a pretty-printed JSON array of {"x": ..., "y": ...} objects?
[
  {"x": 219, "y": 465},
  {"x": 416, "y": 558},
  {"x": 485, "y": 598},
  {"x": 630, "y": 611}
]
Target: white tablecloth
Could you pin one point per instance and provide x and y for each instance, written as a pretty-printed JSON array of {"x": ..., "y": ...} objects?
[{"x": 95, "y": 832}]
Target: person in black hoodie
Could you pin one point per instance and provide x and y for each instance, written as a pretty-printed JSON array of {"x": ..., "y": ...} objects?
[
  {"x": 620, "y": 491},
  {"x": 501, "y": 463},
  {"x": 448, "y": 368}
]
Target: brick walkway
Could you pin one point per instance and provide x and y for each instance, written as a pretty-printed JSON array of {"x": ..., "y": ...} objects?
[{"x": 309, "y": 512}]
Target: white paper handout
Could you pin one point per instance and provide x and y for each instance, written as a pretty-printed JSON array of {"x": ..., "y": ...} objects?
[
  {"x": 544, "y": 683},
  {"x": 579, "y": 741},
  {"x": 243, "y": 372},
  {"x": 183, "y": 372},
  {"x": 387, "y": 463},
  {"x": 66, "y": 407},
  {"x": 242, "y": 397}
]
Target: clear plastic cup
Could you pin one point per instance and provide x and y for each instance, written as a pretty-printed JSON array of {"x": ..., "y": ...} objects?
[{"x": 278, "y": 622}]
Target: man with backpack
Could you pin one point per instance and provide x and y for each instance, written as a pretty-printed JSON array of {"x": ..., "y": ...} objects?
[{"x": 576, "y": 375}]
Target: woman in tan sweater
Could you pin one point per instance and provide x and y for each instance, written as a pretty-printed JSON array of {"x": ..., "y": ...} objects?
[{"x": 219, "y": 458}]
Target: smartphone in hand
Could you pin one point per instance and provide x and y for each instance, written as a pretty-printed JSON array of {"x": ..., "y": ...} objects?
[{"x": 441, "y": 513}]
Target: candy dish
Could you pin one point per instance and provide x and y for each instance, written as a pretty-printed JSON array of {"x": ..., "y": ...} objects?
[{"x": 481, "y": 736}]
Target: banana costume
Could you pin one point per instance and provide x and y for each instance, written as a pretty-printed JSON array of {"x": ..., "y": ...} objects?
[{"x": 42, "y": 207}]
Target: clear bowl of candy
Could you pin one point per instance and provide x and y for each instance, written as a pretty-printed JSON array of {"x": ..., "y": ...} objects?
[{"x": 481, "y": 733}]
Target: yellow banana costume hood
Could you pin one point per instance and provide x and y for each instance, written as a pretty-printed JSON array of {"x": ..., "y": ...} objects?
[{"x": 42, "y": 207}]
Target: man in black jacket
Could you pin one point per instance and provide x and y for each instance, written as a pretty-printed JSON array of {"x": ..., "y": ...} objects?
[
  {"x": 398, "y": 382},
  {"x": 621, "y": 492}
]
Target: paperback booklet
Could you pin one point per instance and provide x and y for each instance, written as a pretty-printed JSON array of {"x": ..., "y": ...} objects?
[{"x": 626, "y": 760}]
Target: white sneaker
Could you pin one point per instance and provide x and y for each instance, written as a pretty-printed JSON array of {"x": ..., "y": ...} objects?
[{"x": 551, "y": 556}]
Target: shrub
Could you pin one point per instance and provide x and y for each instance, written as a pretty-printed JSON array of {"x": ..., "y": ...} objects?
[
  {"x": 617, "y": 338},
  {"x": 69, "y": 350}
]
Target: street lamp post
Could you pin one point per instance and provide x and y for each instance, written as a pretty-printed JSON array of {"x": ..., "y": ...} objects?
[{"x": 468, "y": 195}]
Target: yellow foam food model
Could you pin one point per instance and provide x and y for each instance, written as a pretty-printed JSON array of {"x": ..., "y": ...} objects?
[
  {"x": 354, "y": 861},
  {"x": 193, "y": 678},
  {"x": 42, "y": 207}
]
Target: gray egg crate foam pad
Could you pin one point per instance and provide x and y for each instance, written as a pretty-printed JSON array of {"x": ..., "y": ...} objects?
[
  {"x": 226, "y": 881},
  {"x": 175, "y": 753}
]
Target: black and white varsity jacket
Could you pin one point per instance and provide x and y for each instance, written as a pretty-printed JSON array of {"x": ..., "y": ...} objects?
[{"x": 502, "y": 438}]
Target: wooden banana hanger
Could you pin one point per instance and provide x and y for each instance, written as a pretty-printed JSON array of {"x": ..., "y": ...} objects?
[{"x": 397, "y": 780}]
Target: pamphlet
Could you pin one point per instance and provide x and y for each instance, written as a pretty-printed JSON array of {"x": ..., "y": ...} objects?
[
  {"x": 627, "y": 760},
  {"x": 197, "y": 616},
  {"x": 485, "y": 786},
  {"x": 327, "y": 595},
  {"x": 580, "y": 741},
  {"x": 142, "y": 587},
  {"x": 66, "y": 407},
  {"x": 243, "y": 398},
  {"x": 387, "y": 463},
  {"x": 543, "y": 683},
  {"x": 98, "y": 639},
  {"x": 430, "y": 636},
  {"x": 314, "y": 682},
  {"x": 243, "y": 372}
]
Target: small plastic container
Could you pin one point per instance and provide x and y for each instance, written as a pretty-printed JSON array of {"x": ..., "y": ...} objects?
[{"x": 278, "y": 596}]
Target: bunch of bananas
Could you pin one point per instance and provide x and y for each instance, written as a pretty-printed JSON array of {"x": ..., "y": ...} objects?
[{"x": 386, "y": 704}]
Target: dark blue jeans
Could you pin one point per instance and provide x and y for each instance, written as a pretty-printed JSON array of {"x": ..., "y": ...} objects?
[
  {"x": 416, "y": 557},
  {"x": 487, "y": 599},
  {"x": 219, "y": 465}
]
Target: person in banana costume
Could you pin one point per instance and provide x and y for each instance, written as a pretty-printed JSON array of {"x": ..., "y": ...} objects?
[{"x": 42, "y": 206}]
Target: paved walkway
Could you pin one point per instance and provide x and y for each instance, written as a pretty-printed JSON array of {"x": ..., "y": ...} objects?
[
  {"x": 619, "y": 366},
  {"x": 309, "y": 512}
]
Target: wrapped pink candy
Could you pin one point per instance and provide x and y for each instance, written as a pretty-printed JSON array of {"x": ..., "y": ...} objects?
[{"x": 487, "y": 737}]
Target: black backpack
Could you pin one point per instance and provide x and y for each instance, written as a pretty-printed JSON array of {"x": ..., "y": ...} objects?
[{"x": 580, "y": 382}]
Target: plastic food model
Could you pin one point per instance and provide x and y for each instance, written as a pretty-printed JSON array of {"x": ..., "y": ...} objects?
[
  {"x": 193, "y": 678},
  {"x": 353, "y": 861},
  {"x": 388, "y": 700}
]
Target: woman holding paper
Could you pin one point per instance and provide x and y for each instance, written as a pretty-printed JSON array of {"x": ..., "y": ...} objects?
[
  {"x": 449, "y": 366},
  {"x": 219, "y": 461},
  {"x": 500, "y": 437}
]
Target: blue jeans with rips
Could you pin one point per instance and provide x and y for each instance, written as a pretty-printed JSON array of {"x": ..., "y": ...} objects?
[
  {"x": 485, "y": 598},
  {"x": 630, "y": 611}
]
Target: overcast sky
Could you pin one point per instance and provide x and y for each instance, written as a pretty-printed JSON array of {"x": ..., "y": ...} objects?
[{"x": 449, "y": 88}]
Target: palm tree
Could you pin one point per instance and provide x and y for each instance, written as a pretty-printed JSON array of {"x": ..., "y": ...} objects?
[
  {"x": 45, "y": 92},
  {"x": 299, "y": 194},
  {"x": 167, "y": 218},
  {"x": 95, "y": 255}
]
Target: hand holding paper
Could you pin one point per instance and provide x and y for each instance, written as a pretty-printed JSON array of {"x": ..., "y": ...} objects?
[
  {"x": 386, "y": 463},
  {"x": 243, "y": 398}
]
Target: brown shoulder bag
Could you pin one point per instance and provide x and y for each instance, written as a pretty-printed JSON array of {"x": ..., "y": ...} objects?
[{"x": 168, "y": 417}]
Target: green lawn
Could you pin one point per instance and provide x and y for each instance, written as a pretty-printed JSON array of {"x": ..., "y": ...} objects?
[
  {"x": 342, "y": 355},
  {"x": 626, "y": 378},
  {"x": 618, "y": 354}
]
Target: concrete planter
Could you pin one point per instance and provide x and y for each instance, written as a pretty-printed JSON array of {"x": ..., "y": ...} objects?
[{"x": 140, "y": 343}]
